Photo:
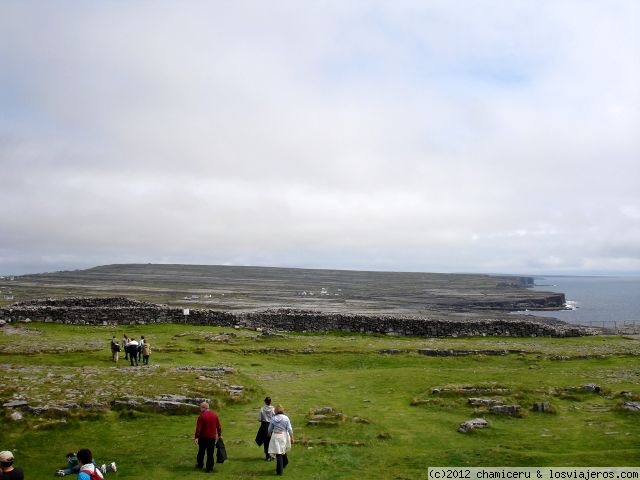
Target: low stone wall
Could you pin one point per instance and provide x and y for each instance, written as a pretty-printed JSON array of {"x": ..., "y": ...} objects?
[{"x": 122, "y": 311}]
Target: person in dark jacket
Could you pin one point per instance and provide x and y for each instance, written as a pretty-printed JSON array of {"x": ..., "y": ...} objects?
[
  {"x": 7, "y": 470},
  {"x": 132, "y": 348},
  {"x": 264, "y": 417},
  {"x": 208, "y": 428}
]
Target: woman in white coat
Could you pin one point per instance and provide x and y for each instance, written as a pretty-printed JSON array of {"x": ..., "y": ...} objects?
[{"x": 281, "y": 433}]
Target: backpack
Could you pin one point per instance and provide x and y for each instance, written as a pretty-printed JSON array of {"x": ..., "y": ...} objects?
[
  {"x": 116, "y": 347},
  {"x": 95, "y": 475}
]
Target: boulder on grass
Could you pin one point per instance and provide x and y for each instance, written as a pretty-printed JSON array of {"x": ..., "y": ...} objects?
[{"x": 472, "y": 425}]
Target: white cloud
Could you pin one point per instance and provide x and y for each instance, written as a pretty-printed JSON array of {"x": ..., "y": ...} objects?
[{"x": 444, "y": 136}]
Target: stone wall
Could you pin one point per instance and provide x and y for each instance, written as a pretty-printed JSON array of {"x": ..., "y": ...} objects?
[{"x": 123, "y": 311}]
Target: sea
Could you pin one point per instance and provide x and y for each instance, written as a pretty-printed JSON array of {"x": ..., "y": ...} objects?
[{"x": 594, "y": 301}]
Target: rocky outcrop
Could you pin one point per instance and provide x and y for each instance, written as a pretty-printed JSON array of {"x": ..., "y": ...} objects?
[
  {"x": 543, "y": 407},
  {"x": 632, "y": 406},
  {"x": 123, "y": 311},
  {"x": 473, "y": 424},
  {"x": 329, "y": 416}
]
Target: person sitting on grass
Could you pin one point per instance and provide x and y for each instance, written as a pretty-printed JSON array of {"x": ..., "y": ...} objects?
[
  {"x": 73, "y": 466},
  {"x": 88, "y": 471}
]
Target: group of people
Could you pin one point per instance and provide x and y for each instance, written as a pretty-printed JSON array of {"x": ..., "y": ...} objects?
[
  {"x": 77, "y": 463},
  {"x": 134, "y": 350},
  {"x": 275, "y": 435},
  {"x": 80, "y": 463}
]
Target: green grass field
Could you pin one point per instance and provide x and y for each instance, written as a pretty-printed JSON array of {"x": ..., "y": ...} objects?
[{"x": 393, "y": 424}]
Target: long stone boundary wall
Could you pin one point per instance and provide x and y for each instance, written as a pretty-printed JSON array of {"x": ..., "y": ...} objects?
[{"x": 123, "y": 311}]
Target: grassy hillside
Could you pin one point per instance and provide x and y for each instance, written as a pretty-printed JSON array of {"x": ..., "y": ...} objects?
[{"x": 393, "y": 425}]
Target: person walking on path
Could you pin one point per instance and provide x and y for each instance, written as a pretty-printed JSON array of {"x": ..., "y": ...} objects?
[
  {"x": 208, "y": 427},
  {"x": 7, "y": 470},
  {"x": 281, "y": 433},
  {"x": 264, "y": 417}
]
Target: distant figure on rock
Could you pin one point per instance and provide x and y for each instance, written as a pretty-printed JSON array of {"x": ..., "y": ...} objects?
[
  {"x": 132, "y": 348},
  {"x": 146, "y": 352},
  {"x": 264, "y": 417},
  {"x": 115, "y": 349},
  {"x": 7, "y": 470},
  {"x": 281, "y": 433}
]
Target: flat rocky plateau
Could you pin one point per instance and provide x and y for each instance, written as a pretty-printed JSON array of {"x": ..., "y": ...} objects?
[{"x": 283, "y": 298}]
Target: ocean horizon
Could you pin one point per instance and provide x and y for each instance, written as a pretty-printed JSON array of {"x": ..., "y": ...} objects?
[{"x": 593, "y": 300}]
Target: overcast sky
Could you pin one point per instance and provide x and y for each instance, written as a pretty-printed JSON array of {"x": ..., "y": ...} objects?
[{"x": 438, "y": 136}]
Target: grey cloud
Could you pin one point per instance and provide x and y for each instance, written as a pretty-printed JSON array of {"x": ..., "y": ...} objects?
[{"x": 407, "y": 136}]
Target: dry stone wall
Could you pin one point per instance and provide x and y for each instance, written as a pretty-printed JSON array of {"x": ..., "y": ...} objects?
[{"x": 123, "y": 311}]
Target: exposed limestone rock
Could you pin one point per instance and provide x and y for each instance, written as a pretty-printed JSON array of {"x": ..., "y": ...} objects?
[
  {"x": 269, "y": 333},
  {"x": 542, "y": 407},
  {"x": 220, "y": 337},
  {"x": 633, "y": 406},
  {"x": 456, "y": 353},
  {"x": 123, "y": 311},
  {"x": 47, "y": 411},
  {"x": 472, "y": 425},
  {"x": 220, "y": 369},
  {"x": 466, "y": 389},
  {"x": 484, "y": 402},
  {"x": 163, "y": 403},
  {"x": 591, "y": 387},
  {"x": 505, "y": 409},
  {"x": 16, "y": 404},
  {"x": 329, "y": 416},
  {"x": 15, "y": 416},
  {"x": 169, "y": 397}
]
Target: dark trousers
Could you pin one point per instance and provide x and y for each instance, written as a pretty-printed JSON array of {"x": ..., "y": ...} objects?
[
  {"x": 145, "y": 359},
  {"x": 266, "y": 449},
  {"x": 205, "y": 444},
  {"x": 263, "y": 436},
  {"x": 281, "y": 463}
]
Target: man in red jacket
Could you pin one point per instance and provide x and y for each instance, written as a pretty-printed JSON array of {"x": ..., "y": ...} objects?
[{"x": 208, "y": 427}]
